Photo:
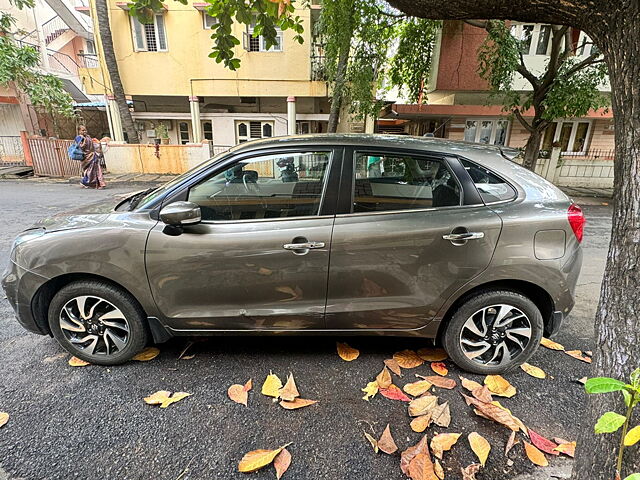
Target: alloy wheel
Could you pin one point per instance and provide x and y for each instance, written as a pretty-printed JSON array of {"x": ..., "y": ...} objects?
[
  {"x": 94, "y": 325},
  {"x": 495, "y": 335}
]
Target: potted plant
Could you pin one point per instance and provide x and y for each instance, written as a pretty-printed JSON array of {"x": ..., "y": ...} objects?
[{"x": 162, "y": 132}]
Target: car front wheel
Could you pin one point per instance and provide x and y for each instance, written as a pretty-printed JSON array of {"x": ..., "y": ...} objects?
[
  {"x": 493, "y": 332},
  {"x": 97, "y": 322}
]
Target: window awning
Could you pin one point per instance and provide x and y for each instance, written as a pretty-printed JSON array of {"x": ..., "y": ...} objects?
[{"x": 200, "y": 6}]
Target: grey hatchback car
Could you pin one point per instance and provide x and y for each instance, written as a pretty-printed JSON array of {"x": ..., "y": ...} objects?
[{"x": 315, "y": 234}]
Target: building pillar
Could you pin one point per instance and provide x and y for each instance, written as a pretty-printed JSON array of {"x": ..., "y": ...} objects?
[
  {"x": 551, "y": 172},
  {"x": 369, "y": 124},
  {"x": 26, "y": 148},
  {"x": 116, "y": 122},
  {"x": 196, "y": 125},
  {"x": 291, "y": 115}
]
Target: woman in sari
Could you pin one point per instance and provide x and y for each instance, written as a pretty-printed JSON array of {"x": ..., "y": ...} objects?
[{"x": 91, "y": 169}]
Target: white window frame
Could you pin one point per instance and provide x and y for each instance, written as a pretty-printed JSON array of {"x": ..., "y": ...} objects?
[
  {"x": 211, "y": 123},
  {"x": 144, "y": 47},
  {"x": 262, "y": 43},
  {"x": 212, "y": 21},
  {"x": 517, "y": 30},
  {"x": 584, "y": 38},
  {"x": 494, "y": 128},
  {"x": 572, "y": 137},
  {"x": 248, "y": 137},
  {"x": 179, "y": 132}
]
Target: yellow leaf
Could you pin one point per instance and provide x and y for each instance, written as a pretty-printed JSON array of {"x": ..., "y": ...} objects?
[
  {"x": 422, "y": 405},
  {"x": 550, "y": 344},
  {"x": 632, "y": 437},
  {"x": 408, "y": 359},
  {"x": 257, "y": 459},
  {"x": 533, "y": 371},
  {"x": 347, "y": 353},
  {"x": 432, "y": 354},
  {"x": 535, "y": 455},
  {"x": 297, "y": 403},
  {"x": 372, "y": 441},
  {"x": 480, "y": 446},
  {"x": 271, "y": 386},
  {"x": 443, "y": 442},
  {"x": 438, "y": 469},
  {"x": 384, "y": 378},
  {"x": 238, "y": 394},
  {"x": 420, "y": 424},
  {"x": 176, "y": 397},
  {"x": 147, "y": 354},
  {"x": 417, "y": 388},
  {"x": 440, "y": 368},
  {"x": 4, "y": 418},
  {"x": 163, "y": 398},
  {"x": 568, "y": 449},
  {"x": 499, "y": 386},
  {"x": 469, "y": 384},
  {"x": 370, "y": 390},
  {"x": 281, "y": 463},
  {"x": 289, "y": 392},
  {"x": 77, "y": 362}
]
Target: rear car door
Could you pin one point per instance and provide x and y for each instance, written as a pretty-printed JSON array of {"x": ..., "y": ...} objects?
[
  {"x": 260, "y": 257},
  {"x": 411, "y": 229}
]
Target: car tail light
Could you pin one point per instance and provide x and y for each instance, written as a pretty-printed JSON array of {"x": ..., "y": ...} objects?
[{"x": 577, "y": 221}]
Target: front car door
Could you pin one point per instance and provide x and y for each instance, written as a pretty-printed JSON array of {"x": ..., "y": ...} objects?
[
  {"x": 390, "y": 266},
  {"x": 260, "y": 257}
]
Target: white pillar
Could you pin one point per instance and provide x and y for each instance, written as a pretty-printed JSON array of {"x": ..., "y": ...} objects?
[
  {"x": 196, "y": 126},
  {"x": 552, "y": 172},
  {"x": 369, "y": 124},
  {"x": 291, "y": 115},
  {"x": 118, "y": 136}
]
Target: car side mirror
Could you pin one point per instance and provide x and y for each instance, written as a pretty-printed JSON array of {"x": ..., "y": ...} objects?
[{"x": 180, "y": 214}]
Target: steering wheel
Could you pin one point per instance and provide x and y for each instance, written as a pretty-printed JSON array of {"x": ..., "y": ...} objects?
[{"x": 254, "y": 186}]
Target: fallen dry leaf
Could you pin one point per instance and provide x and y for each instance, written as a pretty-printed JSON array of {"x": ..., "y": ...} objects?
[
  {"x": 258, "y": 459},
  {"x": 422, "y": 405},
  {"x": 493, "y": 412},
  {"x": 164, "y": 398},
  {"x": 347, "y": 353},
  {"x": 582, "y": 380},
  {"x": 480, "y": 446},
  {"x": 441, "y": 415},
  {"x": 543, "y": 443},
  {"x": 422, "y": 447},
  {"x": 394, "y": 393},
  {"x": 440, "y": 368},
  {"x": 535, "y": 455},
  {"x": 432, "y": 354},
  {"x": 422, "y": 468},
  {"x": 238, "y": 394},
  {"x": 408, "y": 359},
  {"x": 469, "y": 473},
  {"x": 384, "y": 378},
  {"x": 499, "y": 386},
  {"x": 438, "y": 469},
  {"x": 440, "y": 382},
  {"x": 420, "y": 424},
  {"x": 77, "y": 362},
  {"x": 577, "y": 354},
  {"x": 443, "y": 443},
  {"x": 550, "y": 344},
  {"x": 289, "y": 392},
  {"x": 294, "y": 294},
  {"x": 513, "y": 440},
  {"x": 470, "y": 385},
  {"x": 417, "y": 388},
  {"x": 297, "y": 403},
  {"x": 4, "y": 418},
  {"x": 483, "y": 394},
  {"x": 393, "y": 366},
  {"x": 264, "y": 271},
  {"x": 386, "y": 443},
  {"x": 533, "y": 371},
  {"x": 271, "y": 386},
  {"x": 567, "y": 448},
  {"x": 372, "y": 441},
  {"x": 370, "y": 390},
  {"x": 281, "y": 462},
  {"x": 147, "y": 354}
]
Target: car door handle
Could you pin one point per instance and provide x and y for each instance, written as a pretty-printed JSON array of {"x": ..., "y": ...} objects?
[
  {"x": 460, "y": 237},
  {"x": 303, "y": 246}
]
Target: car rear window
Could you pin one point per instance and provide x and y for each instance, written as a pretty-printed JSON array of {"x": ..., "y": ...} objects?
[{"x": 491, "y": 187}]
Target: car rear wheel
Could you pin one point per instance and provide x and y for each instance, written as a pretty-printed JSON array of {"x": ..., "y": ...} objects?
[
  {"x": 97, "y": 322},
  {"x": 493, "y": 332}
]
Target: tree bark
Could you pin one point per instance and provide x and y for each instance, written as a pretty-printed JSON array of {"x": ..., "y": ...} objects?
[
  {"x": 128, "y": 126},
  {"x": 532, "y": 150},
  {"x": 338, "y": 89}
]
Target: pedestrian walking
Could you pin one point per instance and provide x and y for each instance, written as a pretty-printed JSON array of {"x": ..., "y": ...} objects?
[{"x": 92, "y": 176}]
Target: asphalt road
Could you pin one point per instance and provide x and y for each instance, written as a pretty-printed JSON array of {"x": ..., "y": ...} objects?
[{"x": 91, "y": 422}]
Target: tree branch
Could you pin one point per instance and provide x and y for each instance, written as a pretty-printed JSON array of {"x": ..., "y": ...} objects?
[
  {"x": 587, "y": 62},
  {"x": 525, "y": 124}
]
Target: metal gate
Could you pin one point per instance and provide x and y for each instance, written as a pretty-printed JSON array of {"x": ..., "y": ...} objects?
[
  {"x": 11, "y": 151},
  {"x": 50, "y": 158}
]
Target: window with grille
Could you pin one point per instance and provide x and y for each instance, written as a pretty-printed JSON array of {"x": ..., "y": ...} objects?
[
  {"x": 149, "y": 37},
  {"x": 252, "y": 130},
  {"x": 535, "y": 39},
  {"x": 209, "y": 21},
  {"x": 259, "y": 43}
]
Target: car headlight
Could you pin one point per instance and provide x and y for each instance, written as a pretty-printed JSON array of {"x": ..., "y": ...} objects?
[{"x": 25, "y": 237}]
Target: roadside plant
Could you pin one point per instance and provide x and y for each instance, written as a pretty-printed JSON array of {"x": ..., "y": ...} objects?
[{"x": 611, "y": 422}]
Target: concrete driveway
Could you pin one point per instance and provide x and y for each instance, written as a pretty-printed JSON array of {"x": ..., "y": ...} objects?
[{"x": 91, "y": 422}]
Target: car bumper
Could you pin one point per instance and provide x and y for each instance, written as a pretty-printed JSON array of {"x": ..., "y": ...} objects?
[{"x": 20, "y": 285}]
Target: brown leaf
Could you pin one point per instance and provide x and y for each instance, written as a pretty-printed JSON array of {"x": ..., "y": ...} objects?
[
  {"x": 469, "y": 473},
  {"x": 417, "y": 388},
  {"x": 493, "y": 412},
  {"x": 422, "y": 447},
  {"x": 542, "y": 443},
  {"x": 393, "y": 366},
  {"x": 432, "y": 354},
  {"x": 282, "y": 462},
  {"x": 297, "y": 403},
  {"x": 499, "y": 386},
  {"x": 264, "y": 271},
  {"x": 289, "y": 392},
  {"x": 147, "y": 354},
  {"x": 568, "y": 448},
  {"x": 577, "y": 354},
  {"x": 248, "y": 386},
  {"x": 469, "y": 384},
  {"x": 4, "y": 418},
  {"x": 421, "y": 468},
  {"x": 394, "y": 393},
  {"x": 420, "y": 424},
  {"x": 372, "y": 441},
  {"x": 550, "y": 344},
  {"x": 384, "y": 378},
  {"x": 386, "y": 442},
  {"x": 422, "y": 405},
  {"x": 535, "y": 455},
  {"x": 533, "y": 371},
  {"x": 238, "y": 394},
  {"x": 480, "y": 446},
  {"x": 257, "y": 459},
  {"x": 511, "y": 443},
  {"x": 441, "y": 415},
  {"x": 443, "y": 442},
  {"x": 440, "y": 368},
  {"x": 483, "y": 394},
  {"x": 439, "y": 382},
  {"x": 408, "y": 359},
  {"x": 77, "y": 362},
  {"x": 347, "y": 353}
]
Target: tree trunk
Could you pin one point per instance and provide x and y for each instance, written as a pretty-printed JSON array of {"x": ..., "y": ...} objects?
[
  {"x": 532, "y": 150},
  {"x": 338, "y": 88},
  {"x": 112, "y": 66},
  {"x": 617, "y": 323}
]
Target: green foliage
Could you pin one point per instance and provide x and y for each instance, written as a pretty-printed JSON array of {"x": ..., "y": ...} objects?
[
  {"x": 634, "y": 476},
  {"x": 609, "y": 422},
  {"x": 603, "y": 385}
]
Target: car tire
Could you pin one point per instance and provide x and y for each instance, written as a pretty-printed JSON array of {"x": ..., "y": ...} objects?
[
  {"x": 111, "y": 328},
  {"x": 510, "y": 334}
]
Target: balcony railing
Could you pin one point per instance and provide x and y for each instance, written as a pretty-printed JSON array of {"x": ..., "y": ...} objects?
[
  {"x": 53, "y": 28},
  {"x": 88, "y": 60}
]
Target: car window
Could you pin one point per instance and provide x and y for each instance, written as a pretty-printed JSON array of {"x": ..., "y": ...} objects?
[
  {"x": 269, "y": 186},
  {"x": 386, "y": 182},
  {"x": 491, "y": 187}
]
